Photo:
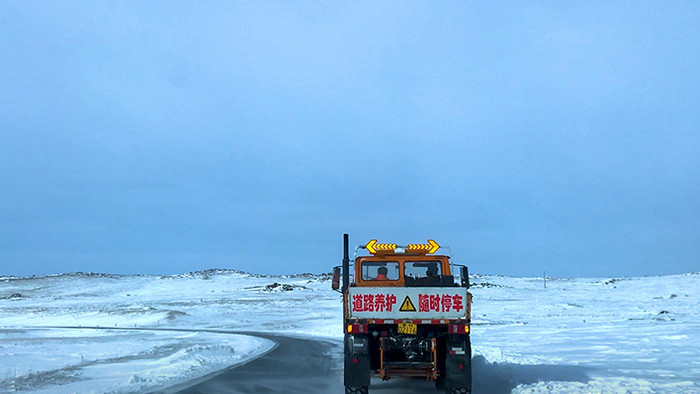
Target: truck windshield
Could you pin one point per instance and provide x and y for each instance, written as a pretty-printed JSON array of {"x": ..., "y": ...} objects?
[
  {"x": 422, "y": 269},
  {"x": 380, "y": 270}
]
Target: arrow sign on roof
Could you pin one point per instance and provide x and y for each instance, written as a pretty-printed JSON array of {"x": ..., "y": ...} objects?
[
  {"x": 374, "y": 248},
  {"x": 433, "y": 246},
  {"x": 429, "y": 248},
  {"x": 370, "y": 246}
]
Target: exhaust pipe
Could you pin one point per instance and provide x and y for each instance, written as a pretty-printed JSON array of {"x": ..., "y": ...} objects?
[{"x": 346, "y": 264}]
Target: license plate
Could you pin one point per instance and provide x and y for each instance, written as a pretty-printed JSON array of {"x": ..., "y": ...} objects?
[{"x": 408, "y": 328}]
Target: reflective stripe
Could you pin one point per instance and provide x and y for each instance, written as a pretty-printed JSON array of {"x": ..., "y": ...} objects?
[{"x": 457, "y": 350}]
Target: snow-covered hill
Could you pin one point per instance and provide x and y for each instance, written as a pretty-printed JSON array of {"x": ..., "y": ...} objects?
[{"x": 585, "y": 335}]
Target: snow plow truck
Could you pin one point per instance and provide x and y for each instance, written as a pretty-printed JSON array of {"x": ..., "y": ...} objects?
[{"x": 404, "y": 315}]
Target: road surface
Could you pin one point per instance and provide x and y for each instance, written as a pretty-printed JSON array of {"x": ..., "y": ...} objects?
[
  {"x": 307, "y": 365},
  {"x": 297, "y": 365}
]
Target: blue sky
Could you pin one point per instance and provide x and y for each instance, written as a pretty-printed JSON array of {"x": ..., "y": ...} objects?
[{"x": 166, "y": 137}]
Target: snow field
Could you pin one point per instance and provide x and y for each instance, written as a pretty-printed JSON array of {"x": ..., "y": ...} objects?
[
  {"x": 577, "y": 335},
  {"x": 627, "y": 335}
]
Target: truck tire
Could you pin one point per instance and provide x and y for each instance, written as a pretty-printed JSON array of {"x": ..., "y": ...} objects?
[
  {"x": 458, "y": 366},
  {"x": 357, "y": 364}
]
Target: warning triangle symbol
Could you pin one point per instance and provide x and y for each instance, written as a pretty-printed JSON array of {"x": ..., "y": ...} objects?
[{"x": 407, "y": 305}]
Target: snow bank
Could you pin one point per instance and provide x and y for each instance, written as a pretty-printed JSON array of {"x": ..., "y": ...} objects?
[{"x": 100, "y": 361}]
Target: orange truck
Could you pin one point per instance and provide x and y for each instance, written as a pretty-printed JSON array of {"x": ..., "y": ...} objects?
[{"x": 404, "y": 315}]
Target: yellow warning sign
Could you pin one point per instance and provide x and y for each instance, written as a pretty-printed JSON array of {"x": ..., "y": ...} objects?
[{"x": 407, "y": 305}]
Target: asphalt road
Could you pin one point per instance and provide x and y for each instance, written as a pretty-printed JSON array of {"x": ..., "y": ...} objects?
[
  {"x": 305, "y": 365},
  {"x": 297, "y": 365}
]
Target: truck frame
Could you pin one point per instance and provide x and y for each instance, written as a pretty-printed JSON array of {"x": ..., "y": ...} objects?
[{"x": 404, "y": 315}]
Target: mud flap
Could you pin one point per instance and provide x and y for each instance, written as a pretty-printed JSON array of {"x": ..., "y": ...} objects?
[
  {"x": 357, "y": 369},
  {"x": 458, "y": 363}
]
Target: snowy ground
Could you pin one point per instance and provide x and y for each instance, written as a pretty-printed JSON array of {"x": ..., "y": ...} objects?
[
  {"x": 626, "y": 335},
  {"x": 577, "y": 335}
]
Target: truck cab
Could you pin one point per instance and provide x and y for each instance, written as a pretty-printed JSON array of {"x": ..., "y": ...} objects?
[{"x": 403, "y": 270}]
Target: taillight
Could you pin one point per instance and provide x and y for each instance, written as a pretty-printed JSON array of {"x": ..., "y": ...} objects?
[
  {"x": 458, "y": 329},
  {"x": 356, "y": 329}
]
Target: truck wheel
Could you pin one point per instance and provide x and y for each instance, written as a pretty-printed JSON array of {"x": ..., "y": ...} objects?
[{"x": 356, "y": 390}]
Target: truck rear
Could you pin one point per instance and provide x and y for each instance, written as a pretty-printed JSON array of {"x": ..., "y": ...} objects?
[{"x": 404, "y": 315}]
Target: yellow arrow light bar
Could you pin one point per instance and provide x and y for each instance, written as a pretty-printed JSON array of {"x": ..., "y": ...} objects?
[
  {"x": 431, "y": 247},
  {"x": 374, "y": 248}
]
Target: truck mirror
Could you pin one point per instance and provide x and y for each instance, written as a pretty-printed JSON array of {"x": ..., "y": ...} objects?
[
  {"x": 335, "y": 285},
  {"x": 464, "y": 273}
]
